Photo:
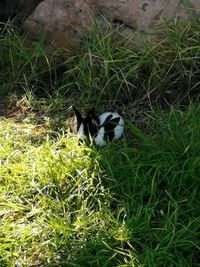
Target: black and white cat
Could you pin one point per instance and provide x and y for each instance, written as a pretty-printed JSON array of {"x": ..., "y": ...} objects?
[{"x": 107, "y": 126}]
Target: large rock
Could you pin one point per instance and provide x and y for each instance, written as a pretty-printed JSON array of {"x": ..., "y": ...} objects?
[
  {"x": 67, "y": 21},
  {"x": 19, "y": 9},
  {"x": 2, "y": 10}
]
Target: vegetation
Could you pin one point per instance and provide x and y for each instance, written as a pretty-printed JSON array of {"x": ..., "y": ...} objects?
[{"x": 133, "y": 203}]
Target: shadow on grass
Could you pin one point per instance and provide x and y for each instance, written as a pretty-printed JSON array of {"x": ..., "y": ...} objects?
[{"x": 155, "y": 182}]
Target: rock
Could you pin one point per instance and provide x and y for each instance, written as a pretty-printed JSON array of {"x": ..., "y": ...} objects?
[
  {"x": 19, "y": 9},
  {"x": 67, "y": 21},
  {"x": 64, "y": 21},
  {"x": 2, "y": 11},
  {"x": 195, "y": 5}
]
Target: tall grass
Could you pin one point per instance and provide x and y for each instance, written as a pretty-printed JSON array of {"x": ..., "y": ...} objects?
[
  {"x": 164, "y": 71},
  {"x": 107, "y": 72},
  {"x": 24, "y": 65}
]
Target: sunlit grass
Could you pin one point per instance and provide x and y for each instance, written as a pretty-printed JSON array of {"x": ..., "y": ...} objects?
[{"x": 54, "y": 205}]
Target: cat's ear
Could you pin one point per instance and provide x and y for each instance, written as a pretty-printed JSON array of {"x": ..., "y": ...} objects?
[
  {"x": 77, "y": 114},
  {"x": 76, "y": 121}
]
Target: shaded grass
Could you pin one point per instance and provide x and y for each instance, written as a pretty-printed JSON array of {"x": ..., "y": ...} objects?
[
  {"x": 105, "y": 72},
  {"x": 24, "y": 65},
  {"x": 164, "y": 72},
  {"x": 158, "y": 185}
]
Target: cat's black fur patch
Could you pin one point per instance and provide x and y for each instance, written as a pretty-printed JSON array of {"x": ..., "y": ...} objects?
[
  {"x": 109, "y": 128},
  {"x": 91, "y": 122}
]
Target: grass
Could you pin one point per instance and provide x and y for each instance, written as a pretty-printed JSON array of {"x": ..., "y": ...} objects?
[
  {"x": 66, "y": 205},
  {"x": 133, "y": 203},
  {"x": 106, "y": 72}
]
